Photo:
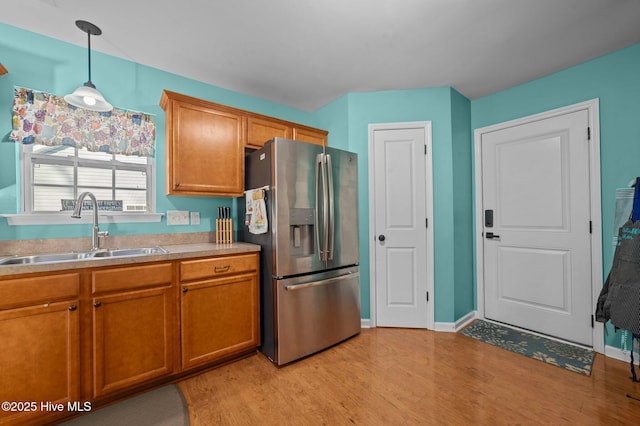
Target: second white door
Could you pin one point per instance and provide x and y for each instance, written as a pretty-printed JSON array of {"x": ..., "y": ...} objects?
[
  {"x": 537, "y": 245},
  {"x": 400, "y": 194}
]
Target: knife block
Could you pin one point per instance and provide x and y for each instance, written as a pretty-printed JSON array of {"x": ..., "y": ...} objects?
[{"x": 224, "y": 231}]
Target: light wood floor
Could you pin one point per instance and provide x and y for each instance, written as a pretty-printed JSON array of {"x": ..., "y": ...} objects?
[{"x": 408, "y": 377}]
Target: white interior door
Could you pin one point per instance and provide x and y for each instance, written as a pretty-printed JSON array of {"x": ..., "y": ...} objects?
[
  {"x": 400, "y": 201},
  {"x": 537, "y": 250}
]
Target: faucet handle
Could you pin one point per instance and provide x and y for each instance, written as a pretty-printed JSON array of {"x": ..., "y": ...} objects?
[{"x": 103, "y": 233}]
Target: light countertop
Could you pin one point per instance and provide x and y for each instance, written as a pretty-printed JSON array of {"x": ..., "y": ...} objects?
[{"x": 175, "y": 252}]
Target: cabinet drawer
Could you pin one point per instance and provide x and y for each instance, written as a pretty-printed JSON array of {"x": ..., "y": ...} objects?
[
  {"x": 130, "y": 278},
  {"x": 217, "y": 267},
  {"x": 27, "y": 291}
]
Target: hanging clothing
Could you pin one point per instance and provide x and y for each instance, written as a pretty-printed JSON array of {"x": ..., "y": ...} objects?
[{"x": 619, "y": 300}]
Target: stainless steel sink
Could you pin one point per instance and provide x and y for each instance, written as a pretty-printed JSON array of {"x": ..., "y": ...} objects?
[
  {"x": 86, "y": 255},
  {"x": 44, "y": 258},
  {"x": 130, "y": 252}
]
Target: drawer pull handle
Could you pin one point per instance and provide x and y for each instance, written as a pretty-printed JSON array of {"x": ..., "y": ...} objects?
[
  {"x": 224, "y": 268},
  {"x": 73, "y": 307},
  {"x": 185, "y": 289},
  {"x": 97, "y": 304}
]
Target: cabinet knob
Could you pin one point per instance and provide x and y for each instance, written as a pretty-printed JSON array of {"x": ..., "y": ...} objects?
[
  {"x": 185, "y": 289},
  {"x": 97, "y": 304},
  {"x": 73, "y": 307}
]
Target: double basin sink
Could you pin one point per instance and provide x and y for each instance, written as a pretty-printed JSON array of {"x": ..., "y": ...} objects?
[{"x": 82, "y": 255}]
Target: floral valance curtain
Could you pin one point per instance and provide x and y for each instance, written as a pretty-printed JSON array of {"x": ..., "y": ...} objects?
[{"x": 42, "y": 118}]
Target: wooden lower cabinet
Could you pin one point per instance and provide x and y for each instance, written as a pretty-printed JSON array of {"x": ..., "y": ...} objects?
[
  {"x": 218, "y": 319},
  {"x": 132, "y": 326},
  {"x": 96, "y": 335},
  {"x": 40, "y": 348},
  {"x": 219, "y": 308},
  {"x": 132, "y": 339}
]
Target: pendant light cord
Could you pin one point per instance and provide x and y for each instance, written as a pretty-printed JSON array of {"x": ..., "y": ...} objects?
[{"x": 89, "y": 55}]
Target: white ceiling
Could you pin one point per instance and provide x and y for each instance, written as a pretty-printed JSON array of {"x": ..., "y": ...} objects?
[{"x": 306, "y": 53}]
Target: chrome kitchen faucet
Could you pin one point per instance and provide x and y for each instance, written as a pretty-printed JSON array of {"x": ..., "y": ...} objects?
[{"x": 95, "y": 233}]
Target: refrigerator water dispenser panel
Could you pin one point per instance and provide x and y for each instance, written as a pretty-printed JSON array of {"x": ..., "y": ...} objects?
[{"x": 301, "y": 232}]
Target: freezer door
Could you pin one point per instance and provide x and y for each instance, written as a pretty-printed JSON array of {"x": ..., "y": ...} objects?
[{"x": 315, "y": 312}]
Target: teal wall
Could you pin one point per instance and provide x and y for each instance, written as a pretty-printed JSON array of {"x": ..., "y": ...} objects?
[
  {"x": 463, "y": 207},
  {"x": 335, "y": 118},
  {"x": 615, "y": 80},
  {"x": 445, "y": 108},
  {"x": 46, "y": 64}
]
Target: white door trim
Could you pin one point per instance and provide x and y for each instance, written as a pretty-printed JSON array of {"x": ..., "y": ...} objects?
[
  {"x": 426, "y": 125},
  {"x": 592, "y": 107}
]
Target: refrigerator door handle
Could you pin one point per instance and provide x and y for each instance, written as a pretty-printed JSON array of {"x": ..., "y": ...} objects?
[
  {"x": 319, "y": 175},
  {"x": 328, "y": 281},
  {"x": 331, "y": 208},
  {"x": 325, "y": 210}
]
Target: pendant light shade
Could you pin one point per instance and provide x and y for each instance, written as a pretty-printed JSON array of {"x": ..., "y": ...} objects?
[{"x": 86, "y": 96}]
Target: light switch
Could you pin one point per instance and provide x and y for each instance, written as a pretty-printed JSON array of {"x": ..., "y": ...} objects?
[{"x": 195, "y": 218}]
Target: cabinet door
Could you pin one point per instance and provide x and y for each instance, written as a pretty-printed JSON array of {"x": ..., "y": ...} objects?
[
  {"x": 219, "y": 319},
  {"x": 315, "y": 136},
  {"x": 132, "y": 339},
  {"x": 205, "y": 148},
  {"x": 40, "y": 358},
  {"x": 260, "y": 130}
]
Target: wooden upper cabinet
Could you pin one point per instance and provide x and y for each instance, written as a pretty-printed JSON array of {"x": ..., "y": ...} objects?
[
  {"x": 310, "y": 135},
  {"x": 260, "y": 130},
  {"x": 205, "y": 143},
  {"x": 205, "y": 147}
]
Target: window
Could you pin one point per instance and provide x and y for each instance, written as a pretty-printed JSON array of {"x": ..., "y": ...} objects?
[{"x": 52, "y": 174}]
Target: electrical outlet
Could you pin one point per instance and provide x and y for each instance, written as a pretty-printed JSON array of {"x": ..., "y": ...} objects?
[
  {"x": 195, "y": 218},
  {"x": 177, "y": 217}
]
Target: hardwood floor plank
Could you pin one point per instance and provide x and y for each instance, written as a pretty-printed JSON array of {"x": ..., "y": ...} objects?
[{"x": 390, "y": 376}]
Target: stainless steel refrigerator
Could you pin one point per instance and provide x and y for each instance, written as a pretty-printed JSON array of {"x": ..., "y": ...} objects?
[{"x": 310, "y": 280}]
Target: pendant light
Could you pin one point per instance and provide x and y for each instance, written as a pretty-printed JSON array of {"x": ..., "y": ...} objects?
[{"x": 86, "y": 96}]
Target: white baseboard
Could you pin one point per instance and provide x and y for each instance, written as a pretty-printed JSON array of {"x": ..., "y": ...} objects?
[
  {"x": 454, "y": 327},
  {"x": 619, "y": 354},
  {"x": 365, "y": 323}
]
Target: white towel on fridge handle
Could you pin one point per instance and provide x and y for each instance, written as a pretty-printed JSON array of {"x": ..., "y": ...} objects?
[
  {"x": 259, "y": 223},
  {"x": 257, "y": 210}
]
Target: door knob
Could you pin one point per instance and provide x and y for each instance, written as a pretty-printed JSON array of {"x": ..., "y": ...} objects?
[
  {"x": 491, "y": 236},
  {"x": 381, "y": 237}
]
